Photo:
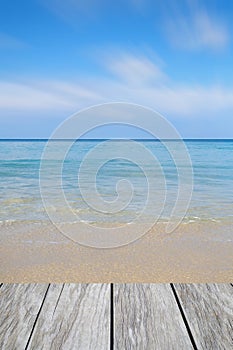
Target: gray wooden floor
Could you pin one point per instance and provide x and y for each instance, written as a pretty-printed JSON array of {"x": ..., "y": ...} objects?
[{"x": 119, "y": 316}]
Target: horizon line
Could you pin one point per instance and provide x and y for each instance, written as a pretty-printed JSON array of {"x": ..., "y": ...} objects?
[{"x": 117, "y": 139}]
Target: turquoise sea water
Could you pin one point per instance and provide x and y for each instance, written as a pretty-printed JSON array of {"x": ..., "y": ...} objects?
[{"x": 20, "y": 197}]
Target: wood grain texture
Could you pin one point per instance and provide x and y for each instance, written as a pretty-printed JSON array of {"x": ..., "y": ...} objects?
[
  {"x": 209, "y": 311},
  {"x": 19, "y": 305},
  {"x": 74, "y": 316},
  {"x": 147, "y": 317}
]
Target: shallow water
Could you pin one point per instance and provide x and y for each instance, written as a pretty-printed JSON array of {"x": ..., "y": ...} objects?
[{"x": 20, "y": 197}]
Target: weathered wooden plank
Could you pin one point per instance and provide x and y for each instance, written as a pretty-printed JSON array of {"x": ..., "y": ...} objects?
[
  {"x": 74, "y": 316},
  {"x": 19, "y": 305},
  {"x": 209, "y": 311},
  {"x": 147, "y": 317}
]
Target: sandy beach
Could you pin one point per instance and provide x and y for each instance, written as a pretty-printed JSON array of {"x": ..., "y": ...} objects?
[
  {"x": 194, "y": 252},
  {"x": 32, "y": 249}
]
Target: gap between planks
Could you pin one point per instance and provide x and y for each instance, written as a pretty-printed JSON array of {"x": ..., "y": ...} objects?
[
  {"x": 183, "y": 316},
  {"x": 37, "y": 316}
]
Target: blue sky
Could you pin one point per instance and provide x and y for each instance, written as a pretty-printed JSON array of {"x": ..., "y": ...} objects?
[{"x": 57, "y": 57}]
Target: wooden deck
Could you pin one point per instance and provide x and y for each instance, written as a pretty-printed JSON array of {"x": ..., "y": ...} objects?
[{"x": 119, "y": 316}]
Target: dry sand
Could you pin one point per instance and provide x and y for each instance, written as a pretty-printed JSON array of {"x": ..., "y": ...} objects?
[{"x": 194, "y": 252}]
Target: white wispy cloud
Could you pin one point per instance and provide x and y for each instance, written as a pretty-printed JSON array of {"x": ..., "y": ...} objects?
[
  {"x": 191, "y": 25},
  {"x": 187, "y": 23},
  {"x": 44, "y": 96},
  {"x": 199, "y": 31},
  {"x": 49, "y": 97},
  {"x": 135, "y": 69}
]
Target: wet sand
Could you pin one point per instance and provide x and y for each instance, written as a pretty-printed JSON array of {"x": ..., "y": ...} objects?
[{"x": 194, "y": 252}]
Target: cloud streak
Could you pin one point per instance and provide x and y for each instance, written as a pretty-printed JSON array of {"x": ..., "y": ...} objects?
[
  {"x": 190, "y": 26},
  {"x": 44, "y": 97},
  {"x": 136, "y": 79},
  {"x": 187, "y": 23},
  {"x": 135, "y": 70},
  {"x": 196, "y": 33}
]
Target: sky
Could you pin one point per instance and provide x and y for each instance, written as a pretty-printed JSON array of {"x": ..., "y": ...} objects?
[{"x": 58, "y": 57}]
